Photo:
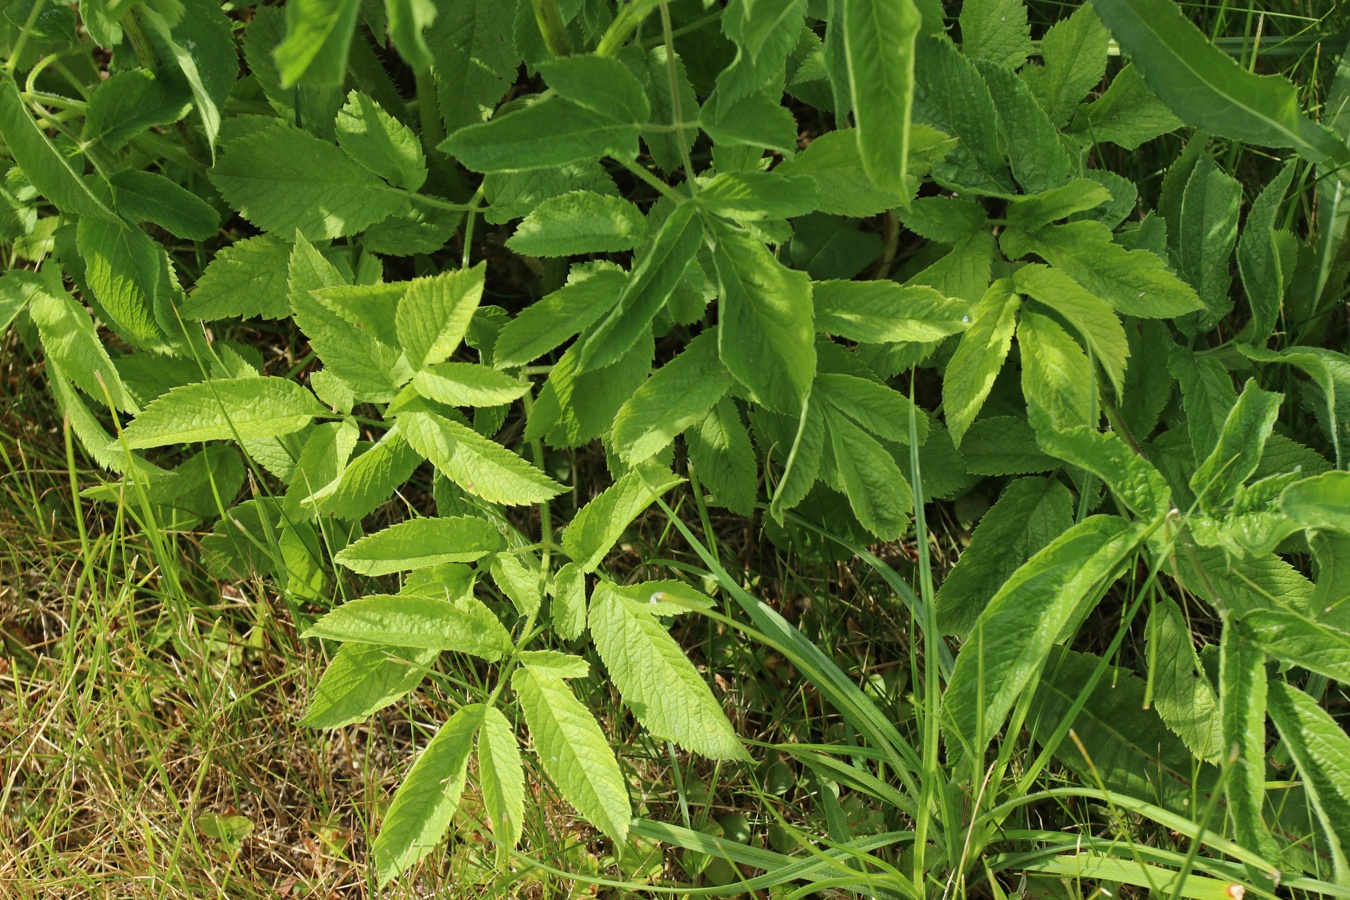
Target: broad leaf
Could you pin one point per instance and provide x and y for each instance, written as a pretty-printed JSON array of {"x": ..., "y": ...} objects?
[
  {"x": 1321, "y": 750},
  {"x": 69, "y": 340},
  {"x": 420, "y": 544},
  {"x": 883, "y": 311},
  {"x": 468, "y": 384},
  {"x": 879, "y": 54},
  {"x": 475, "y": 463},
  {"x": 1242, "y": 704},
  {"x": 1319, "y": 502},
  {"x": 1205, "y": 238},
  {"x": 1291, "y": 637},
  {"x": 381, "y": 143},
  {"x": 1238, "y": 450},
  {"x": 549, "y": 133},
  {"x": 569, "y": 601},
  {"x": 519, "y": 581},
  {"x": 600, "y": 84},
  {"x": 601, "y": 522},
  {"x": 363, "y": 678},
  {"x": 723, "y": 458},
  {"x": 547, "y": 322},
  {"x": 978, "y": 358},
  {"x": 369, "y": 480},
  {"x": 1057, "y": 377},
  {"x": 502, "y": 777},
  {"x": 676, "y": 397},
  {"x": 877, "y": 490},
  {"x": 1093, "y": 319},
  {"x": 246, "y": 279},
  {"x": 579, "y": 222},
  {"x": 148, "y": 197},
  {"x": 1073, "y": 56},
  {"x": 1182, "y": 693},
  {"x": 462, "y": 624},
  {"x": 434, "y": 314},
  {"x": 224, "y": 409}
]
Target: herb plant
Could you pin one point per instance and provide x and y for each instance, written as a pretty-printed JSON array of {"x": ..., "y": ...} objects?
[{"x": 818, "y": 264}]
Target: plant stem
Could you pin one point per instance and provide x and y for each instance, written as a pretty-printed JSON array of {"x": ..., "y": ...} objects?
[
  {"x": 676, "y": 112},
  {"x": 552, "y": 27},
  {"x": 663, "y": 188}
]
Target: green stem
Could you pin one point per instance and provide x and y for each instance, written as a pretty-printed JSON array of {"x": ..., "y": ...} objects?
[
  {"x": 433, "y": 133},
  {"x": 552, "y": 27},
  {"x": 468, "y": 225},
  {"x": 13, "y": 62},
  {"x": 148, "y": 57},
  {"x": 658, "y": 184},
  {"x": 675, "y": 110},
  {"x": 624, "y": 24}
]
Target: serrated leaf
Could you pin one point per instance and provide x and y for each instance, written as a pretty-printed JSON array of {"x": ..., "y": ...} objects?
[
  {"x": 1260, "y": 262},
  {"x": 883, "y": 311},
  {"x": 765, "y": 329},
  {"x": 1093, "y": 319},
  {"x": 1319, "y": 502},
  {"x": 881, "y": 410},
  {"x": 1205, "y": 238},
  {"x": 246, "y": 279},
  {"x": 1182, "y": 693},
  {"x": 1135, "y": 282},
  {"x": 978, "y": 357},
  {"x": 549, "y": 133},
  {"x": 380, "y": 142},
  {"x": 879, "y": 40},
  {"x": 434, "y": 314},
  {"x": 601, "y": 522},
  {"x": 420, "y": 544},
  {"x": 1035, "y": 154},
  {"x": 834, "y": 162},
  {"x": 723, "y": 458},
  {"x": 878, "y": 492},
  {"x": 952, "y": 97},
  {"x": 69, "y": 340},
  {"x": 1073, "y": 53},
  {"x": 655, "y": 72},
  {"x": 369, "y": 480},
  {"x": 676, "y": 397},
  {"x": 480, "y": 466},
  {"x": 579, "y": 405},
  {"x": 579, "y": 222},
  {"x": 1238, "y": 450},
  {"x": 996, "y": 30},
  {"x": 468, "y": 384},
  {"x": 1291, "y": 637},
  {"x": 754, "y": 196},
  {"x": 1013, "y": 637},
  {"x": 503, "y": 780},
  {"x": 148, "y": 197},
  {"x": 44, "y": 166},
  {"x": 1057, "y": 378},
  {"x": 600, "y": 84},
  {"x": 282, "y": 179},
  {"x": 318, "y": 36},
  {"x": 363, "y": 678},
  {"x": 407, "y": 21},
  {"x": 327, "y": 447},
  {"x": 801, "y": 459},
  {"x": 1132, "y": 477},
  {"x": 131, "y": 102},
  {"x": 473, "y": 59},
  {"x": 656, "y": 680},
  {"x": 123, "y": 268},
  {"x": 425, "y": 803},
  {"x": 573, "y": 750},
  {"x": 1033, "y": 211},
  {"x": 945, "y": 219},
  {"x": 547, "y": 322},
  {"x": 1003, "y": 445},
  {"x": 518, "y": 581},
  {"x": 1128, "y": 114},
  {"x": 224, "y": 409},
  {"x": 1242, "y": 708},
  {"x": 462, "y": 624},
  {"x": 654, "y": 278},
  {"x": 569, "y": 601},
  {"x": 1208, "y": 89},
  {"x": 1321, "y": 751}
]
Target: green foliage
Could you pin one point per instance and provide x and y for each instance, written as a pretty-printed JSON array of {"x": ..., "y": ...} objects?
[{"x": 645, "y": 256}]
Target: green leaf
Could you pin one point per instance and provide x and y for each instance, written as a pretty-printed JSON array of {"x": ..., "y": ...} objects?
[
  {"x": 656, "y": 680},
  {"x": 765, "y": 333},
  {"x": 667, "y": 147},
  {"x": 597, "y": 527},
  {"x": 17, "y": 287},
  {"x": 1261, "y": 264},
  {"x": 43, "y": 165},
  {"x": 569, "y": 602},
  {"x": 370, "y": 479},
  {"x": 1133, "y": 479},
  {"x": 547, "y": 322},
  {"x": 1057, "y": 378},
  {"x": 408, "y": 19},
  {"x": 1319, "y": 502},
  {"x": 1030, "y": 513},
  {"x": 1074, "y": 55},
  {"x": 753, "y": 196},
  {"x": 953, "y": 97},
  {"x": 1135, "y": 282},
  {"x": 723, "y": 458},
  {"x": 1293, "y": 638},
  {"x": 1207, "y": 88},
  {"x": 132, "y": 102},
  {"x": 462, "y": 624},
  {"x": 576, "y": 406},
  {"x": 945, "y": 219},
  {"x": 518, "y": 581},
  {"x": 1031, "y": 212},
  {"x": 318, "y": 36},
  {"x": 1238, "y": 450},
  {"x": 502, "y": 777},
  {"x": 223, "y": 409},
  {"x": 573, "y": 750},
  {"x": 425, "y": 803},
  {"x": 877, "y": 490},
  {"x": 1182, "y": 693},
  {"x": 996, "y": 30},
  {"x": 1035, "y": 154},
  {"x": 1014, "y": 635},
  {"x": 123, "y": 266},
  {"x": 282, "y": 179},
  {"x": 480, "y": 466},
  {"x": 600, "y": 84},
  {"x": 373, "y": 369},
  {"x": 468, "y": 384},
  {"x": 363, "y": 678},
  {"x": 883, "y": 311},
  {"x": 879, "y": 40},
  {"x": 835, "y": 162},
  {"x": 881, "y": 410},
  {"x": 1242, "y": 706},
  {"x": 1330, "y": 371},
  {"x": 420, "y": 544},
  {"x": 380, "y": 142},
  {"x": 69, "y": 340},
  {"x": 1207, "y": 397},
  {"x": 978, "y": 357},
  {"x": 1093, "y": 319},
  {"x": 653, "y": 280},
  {"x": 147, "y": 197},
  {"x": 434, "y": 314},
  {"x": 1321, "y": 751},
  {"x": 1003, "y": 445},
  {"x": 201, "y": 43},
  {"x": 546, "y": 134},
  {"x": 676, "y": 397},
  {"x": 1127, "y": 115},
  {"x": 1208, "y": 230},
  {"x": 474, "y": 60},
  {"x": 579, "y": 222},
  {"x": 246, "y": 279}
]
